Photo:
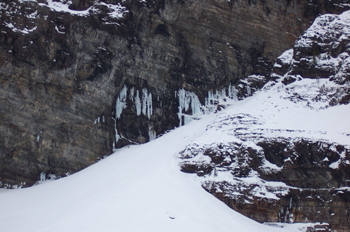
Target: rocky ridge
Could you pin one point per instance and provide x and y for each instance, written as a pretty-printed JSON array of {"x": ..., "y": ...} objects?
[{"x": 288, "y": 159}]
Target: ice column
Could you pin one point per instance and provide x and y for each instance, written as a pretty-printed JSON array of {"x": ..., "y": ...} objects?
[
  {"x": 138, "y": 103},
  {"x": 214, "y": 98},
  {"x": 151, "y": 133},
  {"x": 232, "y": 92},
  {"x": 249, "y": 91},
  {"x": 143, "y": 105},
  {"x": 147, "y": 108},
  {"x": 42, "y": 176},
  {"x": 117, "y": 136},
  {"x": 187, "y": 99},
  {"x": 132, "y": 93},
  {"x": 121, "y": 102}
]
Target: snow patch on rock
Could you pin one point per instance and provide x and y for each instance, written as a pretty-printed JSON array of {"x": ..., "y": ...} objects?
[{"x": 115, "y": 10}]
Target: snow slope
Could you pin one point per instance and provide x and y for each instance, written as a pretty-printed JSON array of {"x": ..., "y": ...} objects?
[
  {"x": 141, "y": 187},
  {"x": 138, "y": 188}
]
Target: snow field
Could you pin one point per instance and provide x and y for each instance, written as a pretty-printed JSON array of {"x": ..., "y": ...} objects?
[{"x": 138, "y": 188}]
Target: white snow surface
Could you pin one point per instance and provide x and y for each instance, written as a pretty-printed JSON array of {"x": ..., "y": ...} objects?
[
  {"x": 140, "y": 187},
  {"x": 115, "y": 11}
]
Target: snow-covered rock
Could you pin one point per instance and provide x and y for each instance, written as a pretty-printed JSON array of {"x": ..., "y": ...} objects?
[{"x": 284, "y": 154}]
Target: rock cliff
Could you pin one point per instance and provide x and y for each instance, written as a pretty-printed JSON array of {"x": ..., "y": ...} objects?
[
  {"x": 81, "y": 78},
  {"x": 288, "y": 160}
]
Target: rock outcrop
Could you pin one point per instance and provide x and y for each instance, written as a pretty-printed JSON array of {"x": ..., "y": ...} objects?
[
  {"x": 288, "y": 160},
  {"x": 284, "y": 181}
]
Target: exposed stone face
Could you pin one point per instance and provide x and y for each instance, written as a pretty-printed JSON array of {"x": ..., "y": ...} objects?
[
  {"x": 303, "y": 186},
  {"x": 300, "y": 206},
  {"x": 61, "y": 73}
]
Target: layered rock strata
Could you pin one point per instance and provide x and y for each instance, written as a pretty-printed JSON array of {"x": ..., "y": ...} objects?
[{"x": 65, "y": 64}]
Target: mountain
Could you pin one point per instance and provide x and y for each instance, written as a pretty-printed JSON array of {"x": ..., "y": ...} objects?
[
  {"x": 80, "y": 78},
  {"x": 138, "y": 188},
  {"x": 259, "y": 90}
]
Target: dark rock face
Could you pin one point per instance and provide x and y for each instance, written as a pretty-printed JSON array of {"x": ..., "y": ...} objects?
[{"x": 61, "y": 73}]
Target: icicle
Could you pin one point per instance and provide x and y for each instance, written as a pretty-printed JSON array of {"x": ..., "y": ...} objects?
[
  {"x": 121, "y": 102},
  {"x": 223, "y": 93},
  {"x": 232, "y": 92},
  {"x": 38, "y": 137},
  {"x": 42, "y": 176},
  {"x": 151, "y": 134},
  {"x": 52, "y": 176},
  {"x": 187, "y": 99},
  {"x": 144, "y": 101},
  {"x": 131, "y": 95},
  {"x": 229, "y": 90},
  {"x": 291, "y": 220},
  {"x": 210, "y": 100},
  {"x": 117, "y": 136},
  {"x": 149, "y": 106},
  {"x": 181, "y": 94},
  {"x": 249, "y": 91},
  {"x": 195, "y": 104},
  {"x": 138, "y": 103}
]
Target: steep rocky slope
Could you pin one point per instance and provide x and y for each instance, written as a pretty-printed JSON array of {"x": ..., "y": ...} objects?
[
  {"x": 79, "y": 78},
  {"x": 284, "y": 155}
]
